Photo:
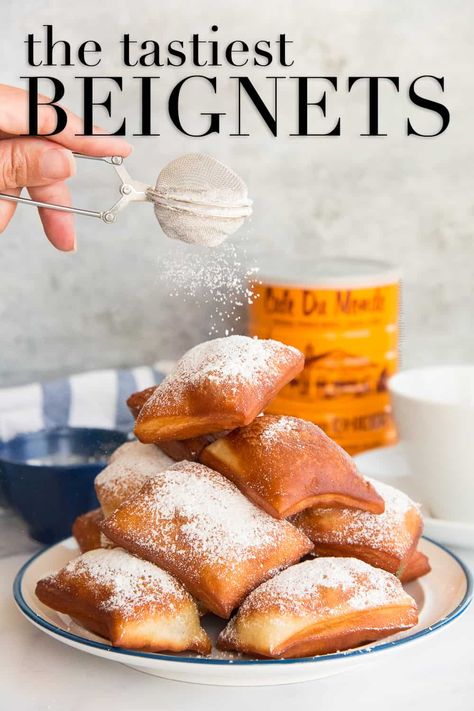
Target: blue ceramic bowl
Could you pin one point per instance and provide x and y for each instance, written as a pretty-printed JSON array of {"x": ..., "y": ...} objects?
[{"x": 48, "y": 476}]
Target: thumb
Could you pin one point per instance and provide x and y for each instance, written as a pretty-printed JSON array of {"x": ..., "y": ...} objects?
[{"x": 31, "y": 162}]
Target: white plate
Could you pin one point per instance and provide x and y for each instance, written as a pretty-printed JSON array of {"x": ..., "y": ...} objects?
[
  {"x": 389, "y": 464},
  {"x": 441, "y": 596}
]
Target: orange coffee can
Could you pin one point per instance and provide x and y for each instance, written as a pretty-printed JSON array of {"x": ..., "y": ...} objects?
[{"x": 343, "y": 314}]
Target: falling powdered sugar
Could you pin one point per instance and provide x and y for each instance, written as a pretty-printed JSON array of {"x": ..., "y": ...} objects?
[{"x": 218, "y": 279}]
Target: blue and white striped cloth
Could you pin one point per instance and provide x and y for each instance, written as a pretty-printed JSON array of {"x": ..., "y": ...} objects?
[{"x": 92, "y": 399}]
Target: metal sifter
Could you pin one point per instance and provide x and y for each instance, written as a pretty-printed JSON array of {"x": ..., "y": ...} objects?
[{"x": 197, "y": 199}]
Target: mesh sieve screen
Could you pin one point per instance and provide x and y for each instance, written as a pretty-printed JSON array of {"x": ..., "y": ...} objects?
[{"x": 198, "y": 199}]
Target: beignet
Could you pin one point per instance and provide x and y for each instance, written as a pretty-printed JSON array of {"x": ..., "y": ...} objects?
[
  {"x": 385, "y": 540},
  {"x": 86, "y": 531},
  {"x": 285, "y": 464},
  {"x": 217, "y": 385},
  {"x": 417, "y": 566},
  {"x": 177, "y": 449},
  {"x": 129, "y": 601},
  {"x": 317, "y": 607},
  {"x": 130, "y": 466},
  {"x": 197, "y": 525}
]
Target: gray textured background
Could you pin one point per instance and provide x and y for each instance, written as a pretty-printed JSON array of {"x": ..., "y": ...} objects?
[{"x": 406, "y": 200}]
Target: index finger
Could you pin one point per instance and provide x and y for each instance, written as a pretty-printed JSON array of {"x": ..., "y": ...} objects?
[{"x": 14, "y": 122}]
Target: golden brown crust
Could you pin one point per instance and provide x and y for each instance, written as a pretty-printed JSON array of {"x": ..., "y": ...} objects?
[
  {"x": 327, "y": 639},
  {"x": 131, "y": 602},
  {"x": 194, "y": 523},
  {"x": 385, "y": 540},
  {"x": 417, "y": 566},
  {"x": 86, "y": 531},
  {"x": 189, "y": 449},
  {"x": 318, "y": 607},
  {"x": 136, "y": 400},
  {"x": 218, "y": 385},
  {"x": 285, "y": 465},
  {"x": 178, "y": 450}
]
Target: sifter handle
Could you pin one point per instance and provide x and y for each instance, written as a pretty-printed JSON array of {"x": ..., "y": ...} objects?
[
  {"x": 51, "y": 206},
  {"x": 107, "y": 216}
]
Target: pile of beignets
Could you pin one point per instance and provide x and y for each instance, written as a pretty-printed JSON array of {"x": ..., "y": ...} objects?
[{"x": 259, "y": 519}]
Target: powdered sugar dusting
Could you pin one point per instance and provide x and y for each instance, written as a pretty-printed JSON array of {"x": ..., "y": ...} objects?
[
  {"x": 386, "y": 531},
  {"x": 230, "y": 361},
  {"x": 276, "y": 426},
  {"x": 131, "y": 451},
  {"x": 217, "y": 524},
  {"x": 132, "y": 459},
  {"x": 309, "y": 587},
  {"x": 122, "y": 581}
]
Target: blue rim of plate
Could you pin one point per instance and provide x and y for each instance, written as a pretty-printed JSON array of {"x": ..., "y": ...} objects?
[{"x": 28, "y": 612}]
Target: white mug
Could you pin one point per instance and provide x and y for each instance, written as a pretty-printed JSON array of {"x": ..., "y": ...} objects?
[{"x": 434, "y": 413}]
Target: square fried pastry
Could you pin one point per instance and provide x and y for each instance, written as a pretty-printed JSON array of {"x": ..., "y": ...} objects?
[
  {"x": 130, "y": 466},
  {"x": 386, "y": 540},
  {"x": 217, "y": 385},
  {"x": 317, "y": 607},
  {"x": 177, "y": 449},
  {"x": 86, "y": 531},
  {"x": 129, "y": 601},
  {"x": 197, "y": 525},
  {"x": 285, "y": 464}
]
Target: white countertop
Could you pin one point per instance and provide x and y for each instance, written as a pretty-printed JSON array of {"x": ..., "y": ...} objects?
[{"x": 38, "y": 673}]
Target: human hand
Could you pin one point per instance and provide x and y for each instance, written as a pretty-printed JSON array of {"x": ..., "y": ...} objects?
[{"x": 43, "y": 164}]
